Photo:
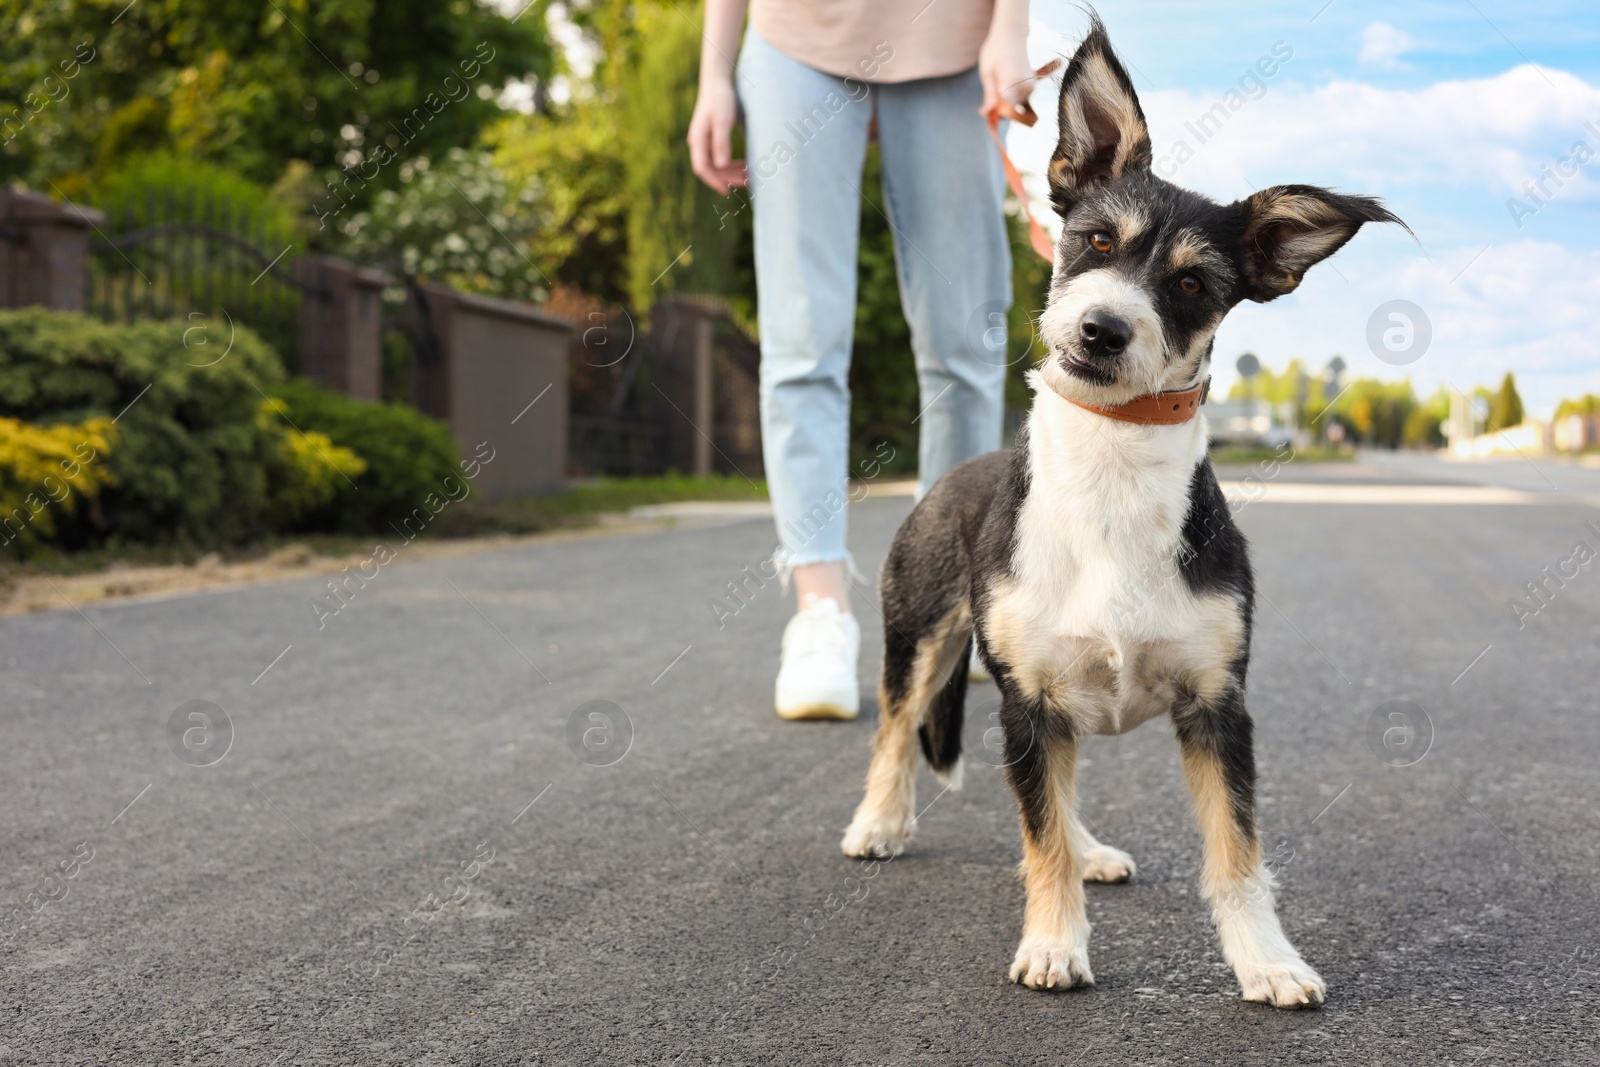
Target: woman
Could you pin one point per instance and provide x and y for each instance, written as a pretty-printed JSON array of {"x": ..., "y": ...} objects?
[{"x": 812, "y": 77}]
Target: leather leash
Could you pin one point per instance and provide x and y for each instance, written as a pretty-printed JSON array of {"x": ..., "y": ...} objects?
[{"x": 1024, "y": 114}]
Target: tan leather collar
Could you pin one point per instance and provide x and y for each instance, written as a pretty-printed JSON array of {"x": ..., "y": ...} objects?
[{"x": 1154, "y": 409}]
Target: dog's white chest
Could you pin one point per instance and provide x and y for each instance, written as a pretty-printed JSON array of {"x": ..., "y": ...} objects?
[{"x": 1097, "y": 617}]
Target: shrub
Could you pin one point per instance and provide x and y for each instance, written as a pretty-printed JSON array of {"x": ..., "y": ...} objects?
[
  {"x": 48, "y": 471},
  {"x": 407, "y": 456},
  {"x": 312, "y": 467},
  {"x": 190, "y": 463}
]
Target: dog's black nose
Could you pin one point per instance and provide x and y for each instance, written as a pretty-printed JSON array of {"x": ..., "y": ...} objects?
[{"x": 1104, "y": 334}]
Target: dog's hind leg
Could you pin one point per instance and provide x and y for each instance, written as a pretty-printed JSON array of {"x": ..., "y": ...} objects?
[
  {"x": 1042, "y": 764},
  {"x": 917, "y": 697},
  {"x": 1220, "y": 765},
  {"x": 1100, "y": 863},
  {"x": 940, "y": 732}
]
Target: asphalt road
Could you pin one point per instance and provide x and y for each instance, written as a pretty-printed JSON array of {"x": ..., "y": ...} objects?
[{"x": 410, "y": 852}]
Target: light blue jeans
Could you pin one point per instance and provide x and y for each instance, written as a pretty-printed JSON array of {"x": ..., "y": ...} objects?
[{"x": 806, "y": 142}]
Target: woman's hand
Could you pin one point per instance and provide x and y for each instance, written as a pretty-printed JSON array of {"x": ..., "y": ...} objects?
[
  {"x": 711, "y": 136},
  {"x": 1003, "y": 65}
]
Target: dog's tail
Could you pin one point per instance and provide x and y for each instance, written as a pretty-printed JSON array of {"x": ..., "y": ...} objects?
[{"x": 940, "y": 733}]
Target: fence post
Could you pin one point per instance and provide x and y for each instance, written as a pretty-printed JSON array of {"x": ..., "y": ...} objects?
[
  {"x": 341, "y": 325},
  {"x": 704, "y": 408},
  {"x": 44, "y": 251}
]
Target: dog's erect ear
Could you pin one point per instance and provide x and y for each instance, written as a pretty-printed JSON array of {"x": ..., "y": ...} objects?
[
  {"x": 1288, "y": 229},
  {"x": 1103, "y": 134}
]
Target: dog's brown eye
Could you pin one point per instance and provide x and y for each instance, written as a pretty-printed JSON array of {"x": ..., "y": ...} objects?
[
  {"x": 1100, "y": 241},
  {"x": 1190, "y": 285}
]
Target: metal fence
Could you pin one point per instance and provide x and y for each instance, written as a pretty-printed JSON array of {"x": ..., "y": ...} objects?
[
  {"x": 180, "y": 254},
  {"x": 682, "y": 395}
]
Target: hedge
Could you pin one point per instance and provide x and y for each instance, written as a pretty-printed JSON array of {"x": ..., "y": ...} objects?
[
  {"x": 407, "y": 454},
  {"x": 208, "y": 444}
]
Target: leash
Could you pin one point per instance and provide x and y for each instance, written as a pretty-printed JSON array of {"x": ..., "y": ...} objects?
[{"x": 1024, "y": 114}]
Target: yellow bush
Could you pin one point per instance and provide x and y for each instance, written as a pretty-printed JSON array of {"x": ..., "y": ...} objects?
[
  {"x": 49, "y": 467},
  {"x": 313, "y": 466}
]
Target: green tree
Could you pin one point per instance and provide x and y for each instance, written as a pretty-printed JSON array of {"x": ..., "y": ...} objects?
[
  {"x": 630, "y": 222},
  {"x": 1587, "y": 404},
  {"x": 253, "y": 84},
  {"x": 1372, "y": 412},
  {"x": 576, "y": 159},
  {"x": 1424, "y": 427},
  {"x": 681, "y": 235},
  {"x": 1505, "y": 410}
]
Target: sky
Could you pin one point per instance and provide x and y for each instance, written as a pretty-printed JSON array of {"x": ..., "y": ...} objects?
[{"x": 1444, "y": 109}]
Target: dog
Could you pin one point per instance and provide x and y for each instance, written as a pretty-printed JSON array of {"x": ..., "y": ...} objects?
[{"x": 1095, "y": 567}]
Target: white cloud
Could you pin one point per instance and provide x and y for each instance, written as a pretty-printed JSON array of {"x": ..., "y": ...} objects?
[
  {"x": 1521, "y": 306},
  {"x": 1382, "y": 45},
  {"x": 1481, "y": 138},
  {"x": 1489, "y": 134}
]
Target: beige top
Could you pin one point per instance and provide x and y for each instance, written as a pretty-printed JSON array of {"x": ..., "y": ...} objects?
[{"x": 876, "y": 40}]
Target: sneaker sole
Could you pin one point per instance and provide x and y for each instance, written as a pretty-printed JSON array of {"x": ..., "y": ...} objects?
[{"x": 818, "y": 711}]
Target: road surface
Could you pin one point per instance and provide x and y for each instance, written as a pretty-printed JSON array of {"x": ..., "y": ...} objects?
[{"x": 405, "y": 837}]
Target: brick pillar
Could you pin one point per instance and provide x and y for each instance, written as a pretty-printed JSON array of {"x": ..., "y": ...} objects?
[
  {"x": 44, "y": 251},
  {"x": 341, "y": 325},
  {"x": 500, "y": 380}
]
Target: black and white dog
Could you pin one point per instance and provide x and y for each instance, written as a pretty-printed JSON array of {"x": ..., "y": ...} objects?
[{"x": 1096, "y": 565}]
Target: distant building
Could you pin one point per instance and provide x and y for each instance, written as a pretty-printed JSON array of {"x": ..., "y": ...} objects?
[
  {"x": 1574, "y": 433},
  {"x": 1251, "y": 423}
]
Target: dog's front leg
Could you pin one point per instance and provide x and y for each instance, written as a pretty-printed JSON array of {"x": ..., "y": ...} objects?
[
  {"x": 1219, "y": 762},
  {"x": 1041, "y": 760}
]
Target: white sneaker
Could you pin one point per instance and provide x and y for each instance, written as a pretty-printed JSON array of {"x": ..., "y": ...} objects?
[{"x": 817, "y": 680}]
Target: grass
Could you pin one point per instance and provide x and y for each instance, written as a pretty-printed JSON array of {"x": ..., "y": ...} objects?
[
  {"x": 579, "y": 506},
  {"x": 582, "y": 505},
  {"x": 1250, "y": 456}
]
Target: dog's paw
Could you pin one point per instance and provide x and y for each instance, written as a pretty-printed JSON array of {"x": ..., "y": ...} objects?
[
  {"x": 1287, "y": 984},
  {"x": 875, "y": 836},
  {"x": 1052, "y": 963},
  {"x": 1107, "y": 864}
]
